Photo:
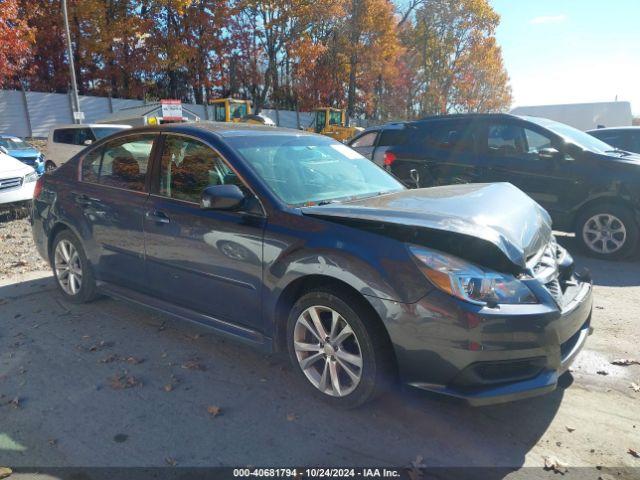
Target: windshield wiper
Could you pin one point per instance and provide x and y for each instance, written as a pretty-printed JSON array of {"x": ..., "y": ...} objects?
[{"x": 624, "y": 153}]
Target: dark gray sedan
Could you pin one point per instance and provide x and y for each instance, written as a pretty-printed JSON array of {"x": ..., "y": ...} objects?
[{"x": 293, "y": 242}]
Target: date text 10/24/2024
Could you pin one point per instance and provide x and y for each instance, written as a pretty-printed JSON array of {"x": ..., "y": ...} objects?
[{"x": 316, "y": 473}]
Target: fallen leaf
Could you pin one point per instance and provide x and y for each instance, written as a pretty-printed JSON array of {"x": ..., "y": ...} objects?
[
  {"x": 555, "y": 465},
  {"x": 168, "y": 387},
  {"x": 123, "y": 380},
  {"x": 53, "y": 442},
  {"x": 633, "y": 453},
  {"x": 625, "y": 362},
  {"x": 15, "y": 403},
  {"x": 3, "y": 301},
  {"x": 570, "y": 429},
  {"x": 291, "y": 417},
  {"x": 193, "y": 365},
  {"x": 135, "y": 360},
  {"x": 602, "y": 372},
  {"x": 635, "y": 387},
  {"x": 109, "y": 359},
  {"x": 171, "y": 461},
  {"x": 5, "y": 472},
  {"x": 213, "y": 410}
]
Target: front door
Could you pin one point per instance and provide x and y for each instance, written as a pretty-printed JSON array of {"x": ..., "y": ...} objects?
[
  {"x": 511, "y": 154},
  {"x": 111, "y": 199},
  {"x": 207, "y": 261}
]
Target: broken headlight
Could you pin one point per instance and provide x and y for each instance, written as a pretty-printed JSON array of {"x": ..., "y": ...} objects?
[{"x": 469, "y": 282}]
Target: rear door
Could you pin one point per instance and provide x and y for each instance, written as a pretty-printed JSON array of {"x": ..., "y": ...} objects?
[
  {"x": 365, "y": 144},
  {"x": 441, "y": 152},
  {"x": 111, "y": 199},
  {"x": 204, "y": 260}
]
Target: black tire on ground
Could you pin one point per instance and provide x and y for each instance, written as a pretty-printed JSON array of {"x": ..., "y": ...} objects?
[
  {"x": 623, "y": 217},
  {"x": 88, "y": 289},
  {"x": 378, "y": 368},
  {"x": 49, "y": 166}
]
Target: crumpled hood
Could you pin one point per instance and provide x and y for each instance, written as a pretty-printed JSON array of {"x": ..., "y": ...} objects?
[
  {"x": 499, "y": 214},
  {"x": 11, "y": 167}
]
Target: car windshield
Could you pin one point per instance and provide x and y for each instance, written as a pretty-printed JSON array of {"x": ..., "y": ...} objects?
[
  {"x": 14, "y": 143},
  {"x": 101, "y": 132},
  {"x": 307, "y": 170},
  {"x": 573, "y": 135}
]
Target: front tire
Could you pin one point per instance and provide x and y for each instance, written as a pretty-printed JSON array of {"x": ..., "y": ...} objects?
[
  {"x": 607, "y": 231},
  {"x": 71, "y": 269},
  {"x": 339, "y": 353},
  {"x": 49, "y": 166}
]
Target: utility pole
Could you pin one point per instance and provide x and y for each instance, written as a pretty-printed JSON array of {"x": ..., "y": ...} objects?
[{"x": 72, "y": 70}]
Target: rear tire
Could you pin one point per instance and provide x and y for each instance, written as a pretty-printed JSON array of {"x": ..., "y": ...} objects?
[
  {"x": 71, "y": 269},
  {"x": 346, "y": 361},
  {"x": 607, "y": 231}
]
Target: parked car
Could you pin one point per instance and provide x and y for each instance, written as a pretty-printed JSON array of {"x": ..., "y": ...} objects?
[
  {"x": 65, "y": 141},
  {"x": 293, "y": 242},
  {"x": 623, "y": 138},
  {"x": 17, "y": 181},
  {"x": 375, "y": 141},
  {"x": 23, "y": 151},
  {"x": 587, "y": 186}
]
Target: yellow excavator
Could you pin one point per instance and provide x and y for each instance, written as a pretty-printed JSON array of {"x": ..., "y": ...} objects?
[
  {"x": 332, "y": 122},
  {"x": 236, "y": 111}
]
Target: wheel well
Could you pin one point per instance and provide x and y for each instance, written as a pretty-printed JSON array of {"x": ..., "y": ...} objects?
[
  {"x": 603, "y": 201},
  {"x": 301, "y": 286},
  {"x": 57, "y": 228}
]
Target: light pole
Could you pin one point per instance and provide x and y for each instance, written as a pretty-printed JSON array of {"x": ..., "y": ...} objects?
[{"x": 72, "y": 70}]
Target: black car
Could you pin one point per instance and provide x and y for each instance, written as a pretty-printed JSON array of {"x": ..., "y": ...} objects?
[
  {"x": 588, "y": 186},
  {"x": 624, "y": 138},
  {"x": 293, "y": 242}
]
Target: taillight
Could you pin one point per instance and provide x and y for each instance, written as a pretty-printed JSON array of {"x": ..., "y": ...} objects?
[
  {"x": 389, "y": 158},
  {"x": 37, "y": 190}
]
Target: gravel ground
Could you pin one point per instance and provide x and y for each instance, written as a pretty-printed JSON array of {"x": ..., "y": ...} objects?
[
  {"x": 18, "y": 254},
  {"x": 113, "y": 384}
]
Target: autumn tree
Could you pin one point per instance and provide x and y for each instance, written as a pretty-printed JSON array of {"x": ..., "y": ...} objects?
[
  {"x": 457, "y": 63},
  {"x": 16, "y": 39}
]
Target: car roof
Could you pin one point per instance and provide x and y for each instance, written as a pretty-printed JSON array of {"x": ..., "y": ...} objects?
[
  {"x": 224, "y": 129},
  {"x": 615, "y": 129},
  {"x": 466, "y": 116}
]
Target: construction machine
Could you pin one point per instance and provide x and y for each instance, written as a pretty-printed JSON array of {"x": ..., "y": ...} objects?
[
  {"x": 333, "y": 123},
  {"x": 236, "y": 111}
]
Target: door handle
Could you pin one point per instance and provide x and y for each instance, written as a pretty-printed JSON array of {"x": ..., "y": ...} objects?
[{"x": 156, "y": 216}]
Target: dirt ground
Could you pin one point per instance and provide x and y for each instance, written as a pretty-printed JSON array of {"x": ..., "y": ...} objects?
[{"x": 113, "y": 384}]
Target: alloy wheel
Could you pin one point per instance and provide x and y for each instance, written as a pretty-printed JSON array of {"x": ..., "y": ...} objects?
[
  {"x": 604, "y": 233},
  {"x": 328, "y": 351},
  {"x": 68, "y": 267}
]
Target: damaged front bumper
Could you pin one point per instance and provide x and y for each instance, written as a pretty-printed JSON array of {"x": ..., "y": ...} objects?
[{"x": 488, "y": 355}]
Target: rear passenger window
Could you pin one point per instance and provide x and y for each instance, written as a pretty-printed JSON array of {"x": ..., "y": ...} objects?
[
  {"x": 188, "y": 166},
  {"x": 390, "y": 138},
  {"x": 366, "y": 140},
  {"x": 121, "y": 163},
  {"x": 449, "y": 136}
]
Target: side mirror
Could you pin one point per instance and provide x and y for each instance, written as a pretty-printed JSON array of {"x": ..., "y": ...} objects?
[
  {"x": 88, "y": 142},
  {"x": 4, "y": 150},
  {"x": 549, "y": 153},
  {"x": 222, "y": 197}
]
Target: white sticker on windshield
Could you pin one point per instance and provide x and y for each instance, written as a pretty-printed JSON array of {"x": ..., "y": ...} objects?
[{"x": 346, "y": 151}]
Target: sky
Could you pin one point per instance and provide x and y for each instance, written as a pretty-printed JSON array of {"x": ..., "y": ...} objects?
[{"x": 571, "y": 51}]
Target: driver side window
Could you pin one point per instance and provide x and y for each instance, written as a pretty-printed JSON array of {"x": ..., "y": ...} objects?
[
  {"x": 508, "y": 140},
  {"x": 188, "y": 166}
]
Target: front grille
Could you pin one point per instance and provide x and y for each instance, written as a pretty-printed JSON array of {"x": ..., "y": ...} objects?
[
  {"x": 544, "y": 267},
  {"x": 7, "y": 183}
]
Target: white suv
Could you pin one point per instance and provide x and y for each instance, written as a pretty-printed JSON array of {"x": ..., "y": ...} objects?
[
  {"x": 66, "y": 140},
  {"x": 17, "y": 181}
]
